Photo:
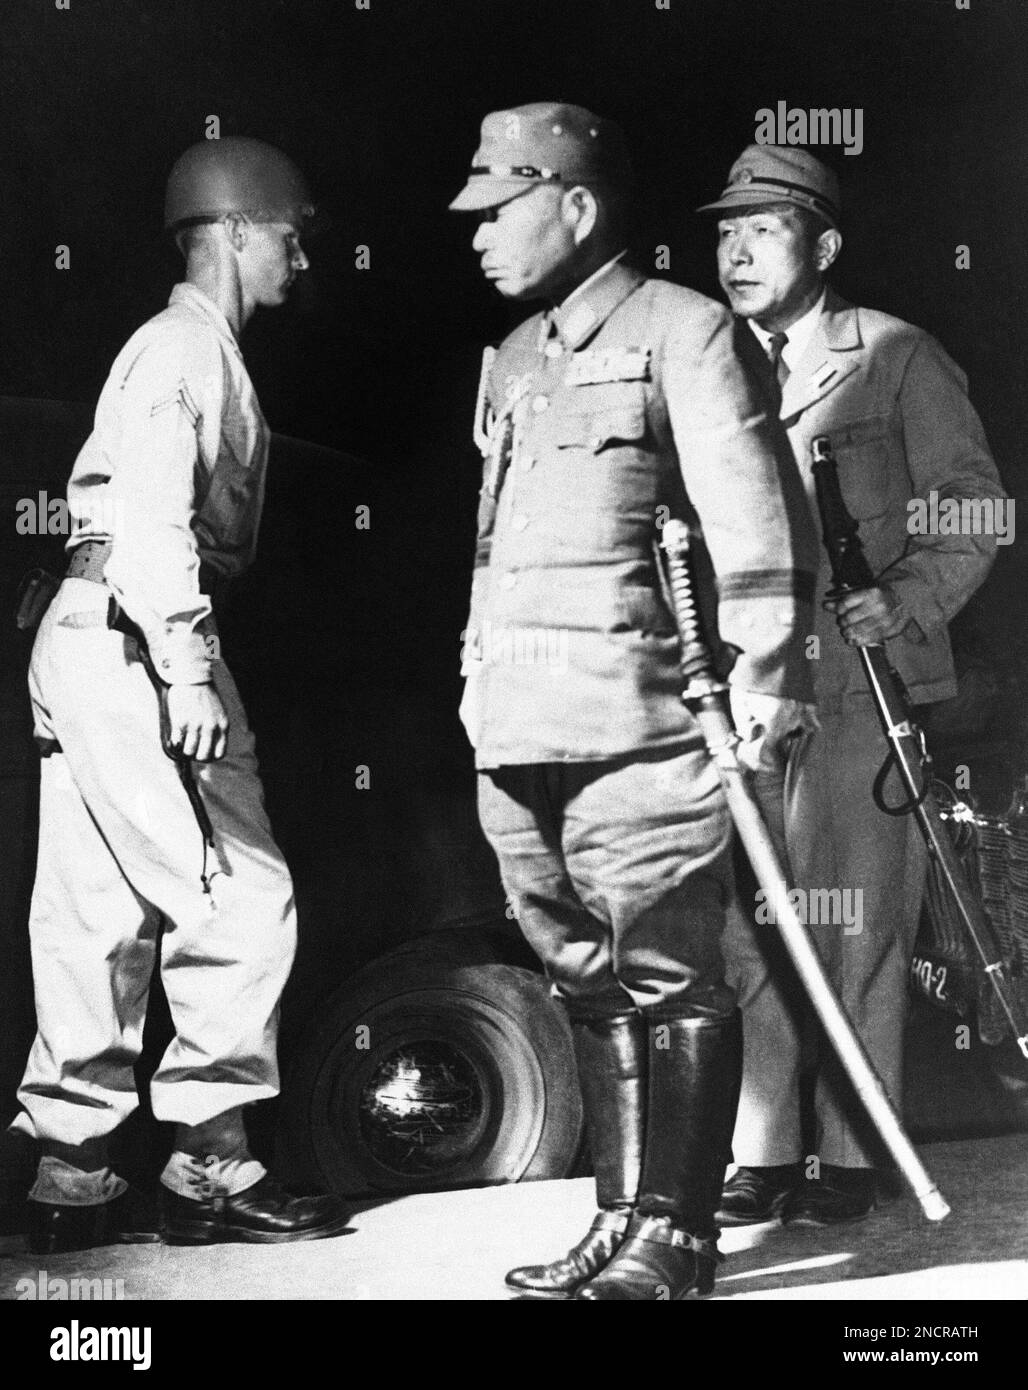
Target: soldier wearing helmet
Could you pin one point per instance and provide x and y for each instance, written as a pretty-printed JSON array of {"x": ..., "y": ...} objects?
[
  {"x": 620, "y": 403},
  {"x": 167, "y": 495}
]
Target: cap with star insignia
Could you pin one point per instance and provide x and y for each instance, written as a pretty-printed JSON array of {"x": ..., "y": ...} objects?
[
  {"x": 543, "y": 142},
  {"x": 780, "y": 174}
]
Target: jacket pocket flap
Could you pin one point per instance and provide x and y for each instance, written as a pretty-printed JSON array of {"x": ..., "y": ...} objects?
[
  {"x": 856, "y": 432},
  {"x": 598, "y": 428}
]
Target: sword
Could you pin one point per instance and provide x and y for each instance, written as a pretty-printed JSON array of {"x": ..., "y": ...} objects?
[
  {"x": 706, "y": 698},
  {"x": 905, "y": 738}
]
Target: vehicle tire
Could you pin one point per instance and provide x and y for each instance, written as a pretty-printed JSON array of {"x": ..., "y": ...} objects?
[{"x": 427, "y": 1072}]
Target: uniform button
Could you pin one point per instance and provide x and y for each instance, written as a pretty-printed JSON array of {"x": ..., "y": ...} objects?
[
  {"x": 553, "y": 349},
  {"x": 540, "y": 403},
  {"x": 519, "y": 522},
  {"x": 528, "y": 463},
  {"x": 595, "y": 441},
  {"x": 508, "y": 581},
  {"x": 165, "y": 665}
]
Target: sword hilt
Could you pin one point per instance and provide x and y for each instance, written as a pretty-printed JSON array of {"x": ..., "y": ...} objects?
[
  {"x": 704, "y": 695},
  {"x": 839, "y": 531},
  {"x": 697, "y": 660}
]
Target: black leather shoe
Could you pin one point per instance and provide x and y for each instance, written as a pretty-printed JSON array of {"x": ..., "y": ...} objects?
[
  {"x": 837, "y": 1196},
  {"x": 131, "y": 1219},
  {"x": 585, "y": 1260},
  {"x": 263, "y": 1214},
  {"x": 752, "y": 1195},
  {"x": 658, "y": 1262}
]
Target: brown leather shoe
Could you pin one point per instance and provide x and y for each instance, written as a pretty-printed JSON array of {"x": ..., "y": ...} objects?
[
  {"x": 839, "y": 1195},
  {"x": 753, "y": 1195},
  {"x": 263, "y": 1214}
]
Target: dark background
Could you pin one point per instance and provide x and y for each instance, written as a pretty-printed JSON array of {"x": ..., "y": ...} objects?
[
  {"x": 382, "y": 106},
  {"x": 382, "y": 109}
]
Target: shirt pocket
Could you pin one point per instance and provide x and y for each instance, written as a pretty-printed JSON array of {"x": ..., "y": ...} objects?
[
  {"x": 595, "y": 431},
  {"x": 595, "y": 420},
  {"x": 861, "y": 449}
]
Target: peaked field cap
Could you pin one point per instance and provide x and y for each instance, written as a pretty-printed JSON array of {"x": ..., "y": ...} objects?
[
  {"x": 235, "y": 174},
  {"x": 544, "y": 142},
  {"x": 780, "y": 174}
]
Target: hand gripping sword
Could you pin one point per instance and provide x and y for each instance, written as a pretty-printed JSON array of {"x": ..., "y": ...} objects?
[
  {"x": 706, "y": 698},
  {"x": 907, "y": 750}
]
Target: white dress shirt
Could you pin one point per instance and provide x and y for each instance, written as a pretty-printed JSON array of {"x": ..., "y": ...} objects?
[{"x": 798, "y": 334}]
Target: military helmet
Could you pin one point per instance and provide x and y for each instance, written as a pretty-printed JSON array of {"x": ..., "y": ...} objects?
[{"x": 236, "y": 174}]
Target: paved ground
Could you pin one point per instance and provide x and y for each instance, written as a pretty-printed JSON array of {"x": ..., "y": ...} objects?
[
  {"x": 457, "y": 1245},
  {"x": 967, "y": 1113}
]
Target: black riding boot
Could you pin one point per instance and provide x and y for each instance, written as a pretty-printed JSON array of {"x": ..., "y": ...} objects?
[
  {"x": 611, "y": 1057},
  {"x": 670, "y": 1248}
]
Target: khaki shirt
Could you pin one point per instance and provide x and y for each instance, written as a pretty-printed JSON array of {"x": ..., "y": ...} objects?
[{"x": 173, "y": 475}]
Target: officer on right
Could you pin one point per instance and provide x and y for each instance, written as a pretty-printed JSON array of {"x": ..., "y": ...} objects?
[{"x": 896, "y": 411}]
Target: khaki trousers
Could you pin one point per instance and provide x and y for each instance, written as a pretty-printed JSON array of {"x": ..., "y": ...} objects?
[
  {"x": 120, "y": 854},
  {"x": 620, "y": 872},
  {"x": 836, "y": 838}
]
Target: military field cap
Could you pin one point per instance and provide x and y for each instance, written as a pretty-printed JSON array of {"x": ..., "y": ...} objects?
[
  {"x": 780, "y": 174},
  {"x": 544, "y": 142}
]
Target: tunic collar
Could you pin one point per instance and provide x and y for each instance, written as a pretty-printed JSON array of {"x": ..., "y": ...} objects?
[{"x": 593, "y": 302}]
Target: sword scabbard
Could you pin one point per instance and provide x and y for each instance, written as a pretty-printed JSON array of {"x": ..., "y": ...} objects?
[
  {"x": 707, "y": 698},
  {"x": 904, "y": 736}
]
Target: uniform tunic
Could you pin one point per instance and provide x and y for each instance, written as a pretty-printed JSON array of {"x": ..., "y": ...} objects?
[
  {"x": 173, "y": 474},
  {"x": 623, "y": 407}
]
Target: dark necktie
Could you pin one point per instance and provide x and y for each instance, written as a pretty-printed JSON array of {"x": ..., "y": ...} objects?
[{"x": 779, "y": 366}]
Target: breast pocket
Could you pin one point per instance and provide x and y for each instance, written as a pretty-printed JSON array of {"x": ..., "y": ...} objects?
[
  {"x": 861, "y": 449},
  {"x": 596, "y": 430}
]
